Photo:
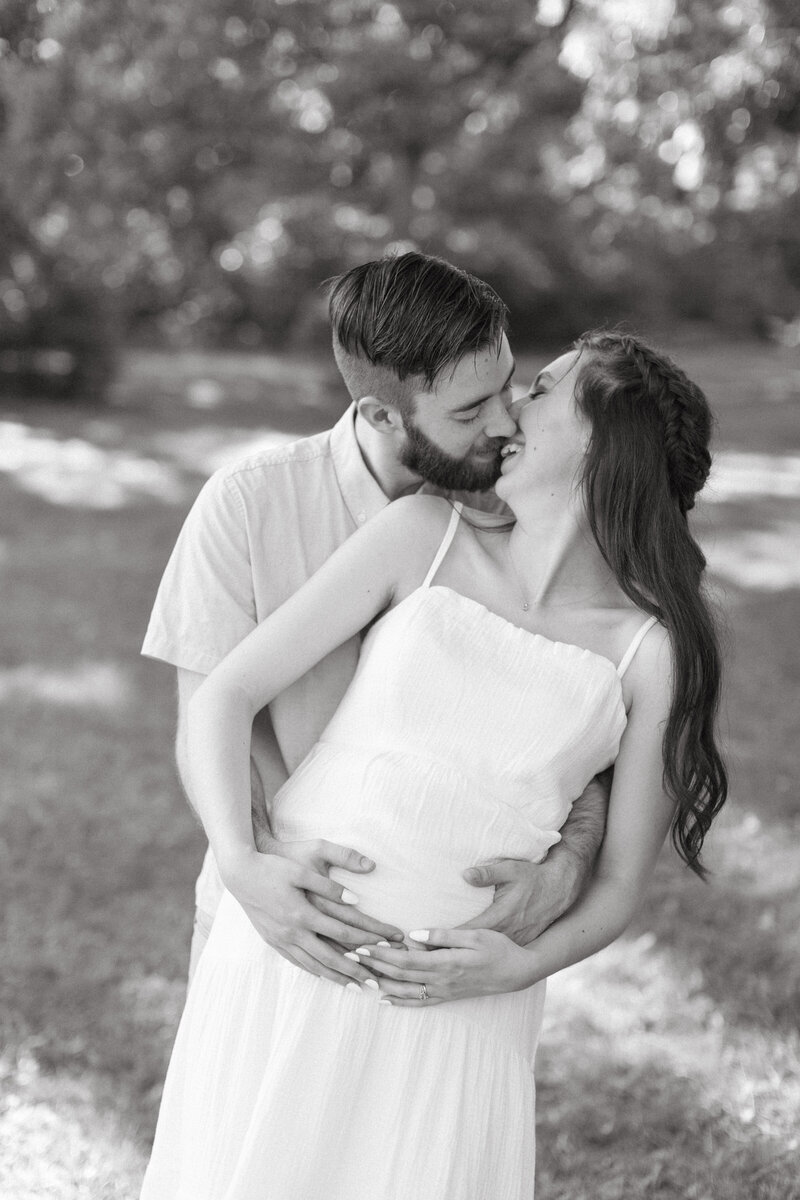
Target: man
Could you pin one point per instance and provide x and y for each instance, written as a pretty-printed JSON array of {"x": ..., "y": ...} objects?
[{"x": 422, "y": 348}]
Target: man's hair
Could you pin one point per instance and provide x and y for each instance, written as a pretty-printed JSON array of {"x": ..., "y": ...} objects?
[{"x": 400, "y": 321}]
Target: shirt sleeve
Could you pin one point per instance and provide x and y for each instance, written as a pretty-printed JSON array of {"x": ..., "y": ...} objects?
[{"x": 205, "y": 603}]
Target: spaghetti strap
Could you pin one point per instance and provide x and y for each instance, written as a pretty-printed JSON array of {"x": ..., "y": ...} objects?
[
  {"x": 638, "y": 638},
  {"x": 444, "y": 545}
]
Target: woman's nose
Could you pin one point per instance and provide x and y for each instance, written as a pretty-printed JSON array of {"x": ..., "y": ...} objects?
[{"x": 517, "y": 407}]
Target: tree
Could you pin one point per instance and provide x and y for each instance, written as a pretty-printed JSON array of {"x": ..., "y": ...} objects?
[
  {"x": 684, "y": 157},
  {"x": 201, "y": 168}
]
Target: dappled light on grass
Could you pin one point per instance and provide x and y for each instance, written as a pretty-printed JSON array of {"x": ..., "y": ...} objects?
[
  {"x": 61, "y": 1137},
  {"x": 759, "y": 549},
  {"x": 639, "y": 1065},
  {"x": 670, "y": 1064},
  {"x": 763, "y": 860},
  {"x": 152, "y": 1000},
  {"x": 76, "y": 473},
  {"x": 736, "y": 474},
  {"x": 86, "y": 685},
  {"x": 206, "y": 448},
  {"x": 757, "y": 560}
]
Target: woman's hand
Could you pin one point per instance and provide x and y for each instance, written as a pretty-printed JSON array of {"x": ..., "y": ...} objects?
[
  {"x": 457, "y": 963},
  {"x": 299, "y": 911}
]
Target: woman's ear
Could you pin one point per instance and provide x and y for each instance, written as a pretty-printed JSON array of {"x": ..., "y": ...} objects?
[{"x": 383, "y": 417}]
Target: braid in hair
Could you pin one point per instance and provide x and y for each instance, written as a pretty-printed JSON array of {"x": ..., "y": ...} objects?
[
  {"x": 685, "y": 415},
  {"x": 647, "y": 458}
]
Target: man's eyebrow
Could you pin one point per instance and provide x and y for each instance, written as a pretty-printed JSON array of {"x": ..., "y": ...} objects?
[{"x": 480, "y": 399}]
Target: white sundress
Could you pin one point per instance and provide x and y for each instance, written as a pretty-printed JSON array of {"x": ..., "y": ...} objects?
[{"x": 462, "y": 738}]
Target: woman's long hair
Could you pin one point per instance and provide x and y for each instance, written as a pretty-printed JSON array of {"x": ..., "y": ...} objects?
[{"x": 647, "y": 458}]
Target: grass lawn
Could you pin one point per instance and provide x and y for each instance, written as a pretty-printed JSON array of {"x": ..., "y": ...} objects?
[{"x": 670, "y": 1065}]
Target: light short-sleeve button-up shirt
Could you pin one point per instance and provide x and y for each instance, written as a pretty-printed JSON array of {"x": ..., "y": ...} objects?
[{"x": 257, "y": 531}]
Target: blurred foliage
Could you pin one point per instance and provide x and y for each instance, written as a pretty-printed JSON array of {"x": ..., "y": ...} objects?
[{"x": 190, "y": 173}]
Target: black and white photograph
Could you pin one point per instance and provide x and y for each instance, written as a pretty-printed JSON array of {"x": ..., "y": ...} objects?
[{"x": 400, "y": 544}]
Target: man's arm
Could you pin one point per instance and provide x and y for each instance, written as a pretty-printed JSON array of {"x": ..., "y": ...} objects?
[{"x": 531, "y": 896}]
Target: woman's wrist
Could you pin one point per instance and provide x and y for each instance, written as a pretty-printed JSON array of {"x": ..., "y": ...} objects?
[
  {"x": 531, "y": 968},
  {"x": 234, "y": 863}
]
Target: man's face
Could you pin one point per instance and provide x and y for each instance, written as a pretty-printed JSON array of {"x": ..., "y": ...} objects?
[{"x": 454, "y": 437}]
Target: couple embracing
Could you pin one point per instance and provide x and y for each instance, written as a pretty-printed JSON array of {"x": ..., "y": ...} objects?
[{"x": 408, "y": 651}]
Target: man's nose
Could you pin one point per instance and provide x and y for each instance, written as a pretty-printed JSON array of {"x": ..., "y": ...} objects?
[{"x": 499, "y": 422}]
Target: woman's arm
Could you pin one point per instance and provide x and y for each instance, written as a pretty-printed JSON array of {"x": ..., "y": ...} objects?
[
  {"x": 639, "y": 818},
  {"x": 351, "y": 588},
  {"x": 481, "y": 962}
]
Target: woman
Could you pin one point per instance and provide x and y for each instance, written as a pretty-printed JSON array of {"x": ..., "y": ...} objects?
[{"x": 501, "y": 671}]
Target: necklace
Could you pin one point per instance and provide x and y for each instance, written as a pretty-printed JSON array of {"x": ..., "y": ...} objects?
[
  {"x": 523, "y": 594},
  {"x": 515, "y": 572}
]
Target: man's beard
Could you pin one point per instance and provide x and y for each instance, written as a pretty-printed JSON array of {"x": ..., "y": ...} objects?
[{"x": 443, "y": 470}]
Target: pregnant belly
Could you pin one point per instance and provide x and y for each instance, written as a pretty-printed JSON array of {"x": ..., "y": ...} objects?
[{"x": 421, "y": 821}]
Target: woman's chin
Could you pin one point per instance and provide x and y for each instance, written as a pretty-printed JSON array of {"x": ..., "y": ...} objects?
[
  {"x": 503, "y": 485},
  {"x": 514, "y": 495}
]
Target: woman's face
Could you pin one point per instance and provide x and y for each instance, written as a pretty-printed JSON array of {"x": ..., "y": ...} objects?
[{"x": 553, "y": 434}]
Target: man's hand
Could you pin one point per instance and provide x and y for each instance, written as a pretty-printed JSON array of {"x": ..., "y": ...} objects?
[
  {"x": 528, "y": 896},
  {"x": 531, "y": 896},
  {"x": 300, "y": 912}
]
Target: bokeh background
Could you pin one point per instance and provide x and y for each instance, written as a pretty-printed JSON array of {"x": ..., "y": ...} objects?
[{"x": 176, "y": 181}]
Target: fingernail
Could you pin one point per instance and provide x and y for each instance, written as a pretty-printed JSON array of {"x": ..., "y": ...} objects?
[
  {"x": 367, "y": 862},
  {"x": 351, "y": 954},
  {"x": 352, "y": 987},
  {"x": 385, "y": 1000},
  {"x": 419, "y": 935},
  {"x": 363, "y": 950},
  {"x": 349, "y": 897},
  {"x": 397, "y": 937},
  {"x": 386, "y": 944},
  {"x": 372, "y": 983}
]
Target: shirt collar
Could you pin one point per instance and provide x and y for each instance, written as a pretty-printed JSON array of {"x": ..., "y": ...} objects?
[{"x": 361, "y": 492}]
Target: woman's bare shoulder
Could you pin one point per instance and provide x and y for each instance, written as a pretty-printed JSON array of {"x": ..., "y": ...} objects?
[
  {"x": 418, "y": 517},
  {"x": 411, "y": 529},
  {"x": 651, "y": 672}
]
